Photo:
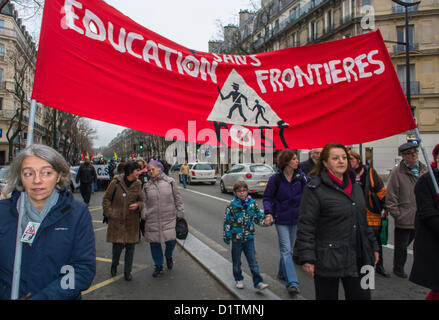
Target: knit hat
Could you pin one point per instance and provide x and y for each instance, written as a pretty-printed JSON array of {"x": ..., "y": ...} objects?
[{"x": 157, "y": 164}]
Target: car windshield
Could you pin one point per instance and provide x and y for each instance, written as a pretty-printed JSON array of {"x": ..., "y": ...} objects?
[
  {"x": 203, "y": 166},
  {"x": 260, "y": 168}
]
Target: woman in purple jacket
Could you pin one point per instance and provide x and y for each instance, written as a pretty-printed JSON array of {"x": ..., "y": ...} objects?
[{"x": 282, "y": 199}]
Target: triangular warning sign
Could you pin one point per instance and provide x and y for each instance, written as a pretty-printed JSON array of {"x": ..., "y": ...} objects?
[{"x": 238, "y": 103}]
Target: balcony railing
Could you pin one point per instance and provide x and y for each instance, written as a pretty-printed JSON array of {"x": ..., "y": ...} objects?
[
  {"x": 400, "y": 9},
  {"x": 415, "y": 87},
  {"x": 401, "y": 47}
]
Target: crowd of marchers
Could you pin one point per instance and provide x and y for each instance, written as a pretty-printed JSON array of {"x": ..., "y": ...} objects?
[{"x": 328, "y": 213}]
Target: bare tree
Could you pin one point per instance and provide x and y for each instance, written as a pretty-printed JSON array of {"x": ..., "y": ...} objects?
[{"x": 21, "y": 70}]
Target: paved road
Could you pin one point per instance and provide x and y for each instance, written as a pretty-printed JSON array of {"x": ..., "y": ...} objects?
[
  {"x": 204, "y": 207},
  {"x": 204, "y": 210},
  {"x": 187, "y": 281}
]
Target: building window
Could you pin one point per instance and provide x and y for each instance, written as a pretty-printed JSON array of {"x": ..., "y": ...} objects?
[
  {"x": 2, "y": 24},
  {"x": 2, "y": 49},
  {"x": 294, "y": 40},
  {"x": 312, "y": 32},
  {"x": 1, "y": 75},
  {"x": 414, "y": 85},
  {"x": 400, "y": 34}
]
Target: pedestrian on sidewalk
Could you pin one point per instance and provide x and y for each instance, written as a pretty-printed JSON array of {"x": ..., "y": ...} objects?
[
  {"x": 401, "y": 202},
  {"x": 163, "y": 206},
  {"x": 334, "y": 240},
  {"x": 239, "y": 219},
  {"x": 425, "y": 270},
  {"x": 57, "y": 232},
  {"x": 86, "y": 177},
  {"x": 370, "y": 182},
  {"x": 122, "y": 204},
  {"x": 282, "y": 199},
  {"x": 184, "y": 172}
]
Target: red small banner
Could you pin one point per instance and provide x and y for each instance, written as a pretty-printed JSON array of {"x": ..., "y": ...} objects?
[{"x": 97, "y": 63}]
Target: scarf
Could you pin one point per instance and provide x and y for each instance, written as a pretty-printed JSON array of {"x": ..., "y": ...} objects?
[
  {"x": 345, "y": 184},
  {"x": 414, "y": 170},
  {"x": 32, "y": 214}
]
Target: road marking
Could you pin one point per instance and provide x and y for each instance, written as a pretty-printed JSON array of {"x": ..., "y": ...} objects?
[
  {"x": 206, "y": 195},
  {"x": 102, "y": 284},
  {"x": 95, "y": 208},
  {"x": 114, "y": 279},
  {"x": 99, "y": 229}
]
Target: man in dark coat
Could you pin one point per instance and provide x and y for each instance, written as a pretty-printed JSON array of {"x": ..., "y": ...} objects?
[
  {"x": 308, "y": 165},
  {"x": 86, "y": 176}
]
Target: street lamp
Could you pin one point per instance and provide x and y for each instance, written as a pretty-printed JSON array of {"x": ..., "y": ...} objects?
[{"x": 406, "y": 6}]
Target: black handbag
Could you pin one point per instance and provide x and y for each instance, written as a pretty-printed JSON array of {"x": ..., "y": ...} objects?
[{"x": 181, "y": 229}]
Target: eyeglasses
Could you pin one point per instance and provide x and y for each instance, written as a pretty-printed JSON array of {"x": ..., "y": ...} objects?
[
  {"x": 241, "y": 191},
  {"x": 408, "y": 153}
]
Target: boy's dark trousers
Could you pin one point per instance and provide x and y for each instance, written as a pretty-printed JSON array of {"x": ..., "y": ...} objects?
[{"x": 248, "y": 247}]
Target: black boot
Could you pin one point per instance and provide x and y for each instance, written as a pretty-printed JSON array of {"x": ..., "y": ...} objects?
[
  {"x": 169, "y": 263},
  {"x": 128, "y": 276},
  {"x": 113, "y": 270},
  {"x": 157, "y": 271}
]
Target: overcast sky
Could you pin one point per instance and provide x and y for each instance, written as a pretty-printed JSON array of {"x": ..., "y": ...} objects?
[{"x": 191, "y": 23}]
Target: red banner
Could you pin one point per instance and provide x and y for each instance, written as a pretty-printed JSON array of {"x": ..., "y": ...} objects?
[{"x": 97, "y": 63}]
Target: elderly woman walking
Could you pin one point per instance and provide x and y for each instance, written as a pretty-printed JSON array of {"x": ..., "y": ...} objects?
[
  {"x": 57, "y": 231},
  {"x": 122, "y": 205},
  {"x": 163, "y": 206},
  {"x": 334, "y": 240}
]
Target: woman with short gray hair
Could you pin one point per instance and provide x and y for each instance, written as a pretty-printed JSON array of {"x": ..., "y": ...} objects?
[
  {"x": 163, "y": 205},
  {"x": 57, "y": 231}
]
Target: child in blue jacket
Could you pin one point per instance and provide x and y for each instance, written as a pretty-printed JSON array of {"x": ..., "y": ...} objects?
[{"x": 241, "y": 215}]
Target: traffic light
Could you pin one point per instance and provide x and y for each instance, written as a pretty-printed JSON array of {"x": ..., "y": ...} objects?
[
  {"x": 141, "y": 146},
  {"x": 198, "y": 147}
]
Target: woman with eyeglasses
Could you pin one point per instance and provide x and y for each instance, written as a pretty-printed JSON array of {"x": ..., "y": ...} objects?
[
  {"x": 57, "y": 237},
  {"x": 334, "y": 241}
]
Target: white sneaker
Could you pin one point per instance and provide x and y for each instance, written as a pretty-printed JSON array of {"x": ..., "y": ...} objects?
[
  {"x": 261, "y": 286},
  {"x": 239, "y": 285}
]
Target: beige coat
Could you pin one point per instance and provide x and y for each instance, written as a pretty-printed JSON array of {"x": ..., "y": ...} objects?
[
  {"x": 163, "y": 204},
  {"x": 400, "y": 197},
  {"x": 184, "y": 169},
  {"x": 123, "y": 224}
]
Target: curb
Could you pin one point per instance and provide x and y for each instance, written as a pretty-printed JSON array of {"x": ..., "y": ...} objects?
[{"x": 221, "y": 269}]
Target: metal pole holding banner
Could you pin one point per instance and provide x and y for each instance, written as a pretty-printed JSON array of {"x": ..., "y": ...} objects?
[{"x": 18, "y": 245}]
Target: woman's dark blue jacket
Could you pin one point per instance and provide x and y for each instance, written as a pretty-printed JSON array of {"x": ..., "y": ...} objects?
[
  {"x": 62, "y": 255},
  {"x": 283, "y": 202}
]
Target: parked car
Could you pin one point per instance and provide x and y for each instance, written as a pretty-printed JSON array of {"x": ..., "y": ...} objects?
[
  {"x": 3, "y": 171},
  {"x": 255, "y": 174},
  {"x": 200, "y": 172}
]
